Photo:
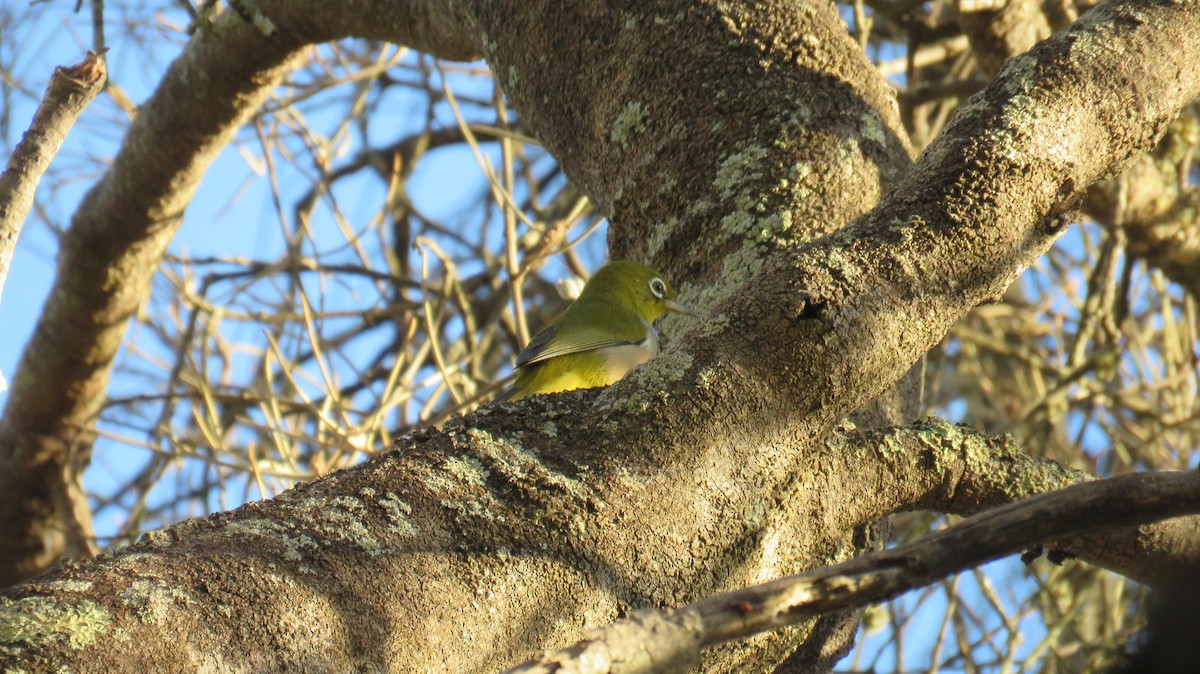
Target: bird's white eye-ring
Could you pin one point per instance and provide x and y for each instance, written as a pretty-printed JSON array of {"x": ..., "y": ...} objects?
[{"x": 658, "y": 287}]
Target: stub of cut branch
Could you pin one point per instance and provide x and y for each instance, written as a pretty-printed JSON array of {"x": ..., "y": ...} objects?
[
  {"x": 1073, "y": 511},
  {"x": 70, "y": 91}
]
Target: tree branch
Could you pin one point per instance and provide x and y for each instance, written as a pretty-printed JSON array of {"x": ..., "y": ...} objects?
[
  {"x": 70, "y": 91},
  {"x": 23, "y": 551},
  {"x": 936, "y": 466},
  {"x": 105, "y": 264},
  {"x": 662, "y": 641},
  {"x": 117, "y": 238}
]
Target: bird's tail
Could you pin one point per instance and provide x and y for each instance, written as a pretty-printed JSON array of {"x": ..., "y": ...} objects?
[{"x": 508, "y": 396}]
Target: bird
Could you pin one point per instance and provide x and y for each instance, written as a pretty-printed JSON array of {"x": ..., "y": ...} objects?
[{"x": 606, "y": 332}]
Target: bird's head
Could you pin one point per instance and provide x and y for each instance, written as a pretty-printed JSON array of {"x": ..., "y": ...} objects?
[{"x": 636, "y": 286}]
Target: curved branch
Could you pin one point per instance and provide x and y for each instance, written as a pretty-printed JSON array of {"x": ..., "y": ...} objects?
[
  {"x": 117, "y": 238},
  {"x": 23, "y": 551},
  {"x": 945, "y": 468},
  {"x": 658, "y": 641},
  {"x": 988, "y": 197}
]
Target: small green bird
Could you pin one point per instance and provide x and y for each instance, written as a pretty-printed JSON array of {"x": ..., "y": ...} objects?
[{"x": 606, "y": 332}]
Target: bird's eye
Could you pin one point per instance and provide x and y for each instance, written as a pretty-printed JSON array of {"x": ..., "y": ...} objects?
[{"x": 658, "y": 287}]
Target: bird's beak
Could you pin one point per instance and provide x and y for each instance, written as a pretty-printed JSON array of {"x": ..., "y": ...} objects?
[{"x": 681, "y": 308}]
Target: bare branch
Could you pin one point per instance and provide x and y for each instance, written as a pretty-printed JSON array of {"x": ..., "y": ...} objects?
[
  {"x": 116, "y": 241},
  {"x": 1070, "y": 512},
  {"x": 71, "y": 90}
]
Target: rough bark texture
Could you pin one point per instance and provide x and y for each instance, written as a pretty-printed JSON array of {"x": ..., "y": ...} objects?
[
  {"x": 653, "y": 641},
  {"x": 1159, "y": 222},
  {"x": 510, "y": 530},
  {"x": 39, "y": 538}
]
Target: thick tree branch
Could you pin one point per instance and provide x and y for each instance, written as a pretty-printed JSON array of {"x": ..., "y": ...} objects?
[
  {"x": 999, "y": 182},
  {"x": 69, "y": 93},
  {"x": 662, "y": 641},
  {"x": 1145, "y": 199},
  {"x": 105, "y": 265},
  {"x": 936, "y": 466}
]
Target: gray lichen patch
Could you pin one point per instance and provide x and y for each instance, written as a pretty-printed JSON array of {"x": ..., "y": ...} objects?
[
  {"x": 662, "y": 233},
  {"x": 707, "y": 377},
  {"x": 631, "y": 122},
  {"x": 46, "y": 621},
  {"x": 160, "y": 540},
  {"x": 341, "y": 519},
  {"x": 61, "y": 585},
  {"x": 736, "y": 269},
  {"x": 655, "y": 377},
  {"x": 468, "y": 469},
  {"x": 992, "y": 461},
  {"x": 847, "y": 265},
  {"x": 487, "y": 46},
  {"x": 506, "y": 455},
  {"x": 890, "y": 447},
  {"x": 397, "y": 513},
  {"x": 151, "y": 601},
  {"x": 348, "y": 503},
  {"x": 872, "y": 127},
  {"x": 294, "y": 544},
  {"x": 755, "y": 185},
  {"x": 739, "y": 169}
]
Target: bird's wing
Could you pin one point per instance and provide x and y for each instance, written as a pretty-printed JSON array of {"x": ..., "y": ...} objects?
[{"x": 559, "y": 340}]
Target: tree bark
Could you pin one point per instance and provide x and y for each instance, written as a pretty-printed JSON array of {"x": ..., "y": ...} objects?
[
  {"x": 729, "y": 144},
  {"x": 71, "y": 90},
  {"x": 31, "y": 545},
  {"x": 669, "y": 640}
]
